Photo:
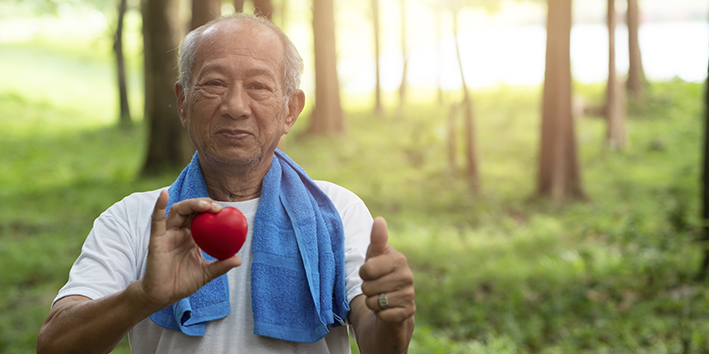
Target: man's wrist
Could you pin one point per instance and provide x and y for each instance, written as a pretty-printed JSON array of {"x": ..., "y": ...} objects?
[
  {"x": 395, "y": 336},
  {"x": 142, "y": 304}
]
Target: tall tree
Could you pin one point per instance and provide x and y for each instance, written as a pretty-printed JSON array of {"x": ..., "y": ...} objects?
[
  {"x": 160, "y": 38},
  {"x": 559, "y": 176},
  {"x": 204, "y": 11},
  {"x": 471, "y": 159},
  {"x": 378, "y": 109},
  {"x": 284, "y": 13},
  {"x": 124, "y": 118},
  {"x": 635, "y": 83},
  {"x": 327, "y": 116},
  {"x": 615, "y": 98},
  {"x": 704, "y": 269}
]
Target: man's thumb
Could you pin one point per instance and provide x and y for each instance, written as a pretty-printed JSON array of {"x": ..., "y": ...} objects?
[{"x": 379, "y": 238}]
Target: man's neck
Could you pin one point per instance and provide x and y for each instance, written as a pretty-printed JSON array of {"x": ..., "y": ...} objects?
[{"x": 234, "y": 183}]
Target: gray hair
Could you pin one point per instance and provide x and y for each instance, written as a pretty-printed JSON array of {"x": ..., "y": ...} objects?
[{"x": 292, "y": 65}]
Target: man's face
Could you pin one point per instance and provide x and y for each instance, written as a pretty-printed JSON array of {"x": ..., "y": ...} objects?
[{"x": 235, "y": 110}]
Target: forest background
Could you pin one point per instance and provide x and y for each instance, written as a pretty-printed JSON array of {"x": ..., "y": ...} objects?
[{"x": 498, "y": 269}]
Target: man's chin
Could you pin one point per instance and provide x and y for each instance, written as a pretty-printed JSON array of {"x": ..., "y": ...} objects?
[{"x": 234, "y": 159}]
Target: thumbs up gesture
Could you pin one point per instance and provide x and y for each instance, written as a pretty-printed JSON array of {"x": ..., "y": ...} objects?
[{"x": 388, "y": 282}]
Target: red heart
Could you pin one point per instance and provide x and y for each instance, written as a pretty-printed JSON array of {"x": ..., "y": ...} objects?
[{"x": 220, "y": 234}]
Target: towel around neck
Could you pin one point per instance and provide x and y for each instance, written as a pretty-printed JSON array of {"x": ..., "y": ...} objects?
[{"x": 297, "y": 272}]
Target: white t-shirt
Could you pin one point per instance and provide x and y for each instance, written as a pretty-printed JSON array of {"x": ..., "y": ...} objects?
[{"x": 115, "y": 253}]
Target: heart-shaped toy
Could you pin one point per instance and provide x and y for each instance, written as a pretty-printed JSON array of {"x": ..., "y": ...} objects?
[{"x": 220, "y": 234}]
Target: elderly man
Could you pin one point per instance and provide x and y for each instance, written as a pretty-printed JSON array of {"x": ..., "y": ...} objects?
[{"x": 314, "y": 263}]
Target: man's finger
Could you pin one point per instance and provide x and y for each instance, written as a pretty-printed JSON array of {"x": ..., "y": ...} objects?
[
  {"x": 400, "y": 298},
  {"x": 218, "y": 268},
  {"x": 158, "y": 218},
  {"x": 181, "y": 212},
  {"x": 379, "y": 238}
]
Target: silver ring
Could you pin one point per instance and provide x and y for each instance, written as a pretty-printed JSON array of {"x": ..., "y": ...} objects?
[{"x": 383, "y": 301}]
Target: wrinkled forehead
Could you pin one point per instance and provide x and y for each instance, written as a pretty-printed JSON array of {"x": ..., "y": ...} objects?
[{"x": 241, "y": 35}]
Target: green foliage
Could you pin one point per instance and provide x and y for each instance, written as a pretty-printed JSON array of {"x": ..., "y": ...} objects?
[
  {"x": 500, "y": 273},
  {"x": 495, "y": 272}
]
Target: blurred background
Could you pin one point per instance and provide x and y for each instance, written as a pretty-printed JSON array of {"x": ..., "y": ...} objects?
[{"x": 540, "y": 163}]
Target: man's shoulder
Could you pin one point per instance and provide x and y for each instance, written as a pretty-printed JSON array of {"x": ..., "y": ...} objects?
[
  {"x": 134, "y": 204},
  {"x": 332, "y": 189},
  {"x": 141, "y": 198},
  {"x": 340, "y": 196}
]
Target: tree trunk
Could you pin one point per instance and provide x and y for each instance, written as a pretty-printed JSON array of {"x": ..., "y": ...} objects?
[
  {"x": 405, "y": 58},
  {"x": 615, "y": 102},
  {"x": 204, "y": 11},
  {"x": 239, "y": 5},
  {"x": 471, "y": 171},
  {"x": 378, "y": 109},
  {"x": 704, "y": 269},
  {"x": 327, "y": 115},
  {"x": 160, "y": 38},
  {"x": 124, "y": 118},
  {"x": 452, "y": 139},
  {"x": 559, "y": 176},
  {"x": 284, "y": 13},
  {"x": 263, "y": 8},
  {"x": 636, "y": 75}
]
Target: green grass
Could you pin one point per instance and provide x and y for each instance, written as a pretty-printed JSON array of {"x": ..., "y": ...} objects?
[{"x": 496, "y": 272}]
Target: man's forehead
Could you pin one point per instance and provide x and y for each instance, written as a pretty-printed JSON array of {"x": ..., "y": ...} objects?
[
  {"x": 235, "y": 28},
  {"x": 238, "y": 35}
]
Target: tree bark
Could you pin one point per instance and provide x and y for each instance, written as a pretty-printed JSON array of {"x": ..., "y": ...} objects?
[
  {"x": 160, "y": 38},
  {"x": 378, "y": 109},
  {"x": 559, "y": 176},
  {"x": 263, "y": 8},
  {"x": 239, "y": 5},
  {"x": 284, "y": 13},
  {"x": 124, "y": 118},
  {"x": 327, "y": 116},
  {"x": 636, "y": 76},
  {"x": 452, "y": 139},
  {"x": 704, "y": 269},
  {"x": 204, "y": 11},
  {"x": 471, "y": 171},
  {"x": 615, "y": 102}
]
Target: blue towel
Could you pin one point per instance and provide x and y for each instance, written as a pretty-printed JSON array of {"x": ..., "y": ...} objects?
[{"x": 297, "y": 273}]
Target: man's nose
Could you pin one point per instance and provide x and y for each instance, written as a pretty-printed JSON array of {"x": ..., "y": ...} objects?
[{"x": 236, "y": 102}]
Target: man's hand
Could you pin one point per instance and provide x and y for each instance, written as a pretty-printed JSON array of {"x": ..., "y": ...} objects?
[
  {"x": 175, "y": 267},
  {"x": 387, "y": 280},
  {"x": 385, "y": 271}
]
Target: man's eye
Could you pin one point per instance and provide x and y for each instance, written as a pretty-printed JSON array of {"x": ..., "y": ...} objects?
[{"x": 258, "y": 86}]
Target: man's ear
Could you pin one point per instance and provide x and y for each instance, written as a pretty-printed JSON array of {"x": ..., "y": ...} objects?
[
  {"x": 180, "y": 93},
  {"x": 296, "y": 103}
]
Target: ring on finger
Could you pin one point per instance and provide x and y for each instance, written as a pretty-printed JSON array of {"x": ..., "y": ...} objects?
[{"x": 383, "y": 301}]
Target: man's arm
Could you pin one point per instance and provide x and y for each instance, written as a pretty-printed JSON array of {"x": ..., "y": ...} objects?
[
  {"x": 175, "y": 269},
  {"x": 385, "y": 271},
  {"x": 78, "y": 324}
]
